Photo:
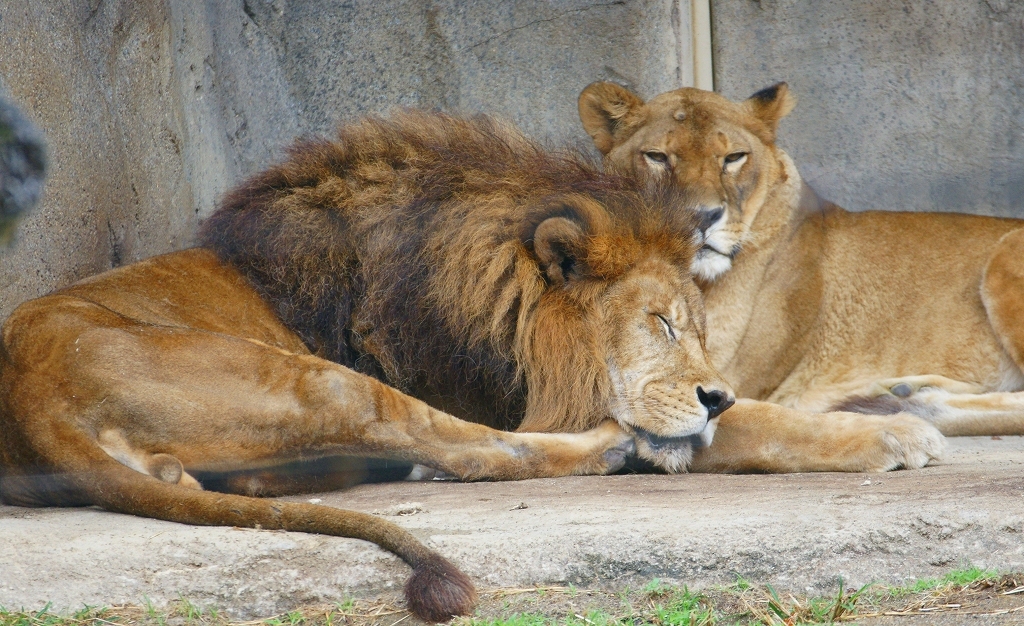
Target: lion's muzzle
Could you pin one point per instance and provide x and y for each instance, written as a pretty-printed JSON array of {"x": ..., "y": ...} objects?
[{"x": 715, "y": 401}]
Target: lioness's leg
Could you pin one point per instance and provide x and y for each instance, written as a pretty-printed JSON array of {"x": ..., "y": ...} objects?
[
  {"x": 1002, "y": 292},
  {"x": 955, "y": 407},
  {"x": 909, "y": 385},
  {"x": 958, "y": 412},
  {"x": 761, "y": 437},
  {"x": 954, "y": 414}
]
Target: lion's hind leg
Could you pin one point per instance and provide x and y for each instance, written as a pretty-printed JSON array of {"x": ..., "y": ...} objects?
[
  {"x": 329, "y": 473},
  {"x": 436, "y": 591},
  {"x": 139, "y": 400},
  {"x": 164, "y": 467},
  {"x": 259, "y": 479}
]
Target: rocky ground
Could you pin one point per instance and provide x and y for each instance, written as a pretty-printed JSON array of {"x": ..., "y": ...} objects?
[{"x": 801, "y": 533}]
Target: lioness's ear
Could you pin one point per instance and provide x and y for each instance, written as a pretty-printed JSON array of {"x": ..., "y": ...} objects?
[
  {"x": 771, "y": 104},
  {"x": 603, "y": 108},
  {"x": 558, "y": 244}
]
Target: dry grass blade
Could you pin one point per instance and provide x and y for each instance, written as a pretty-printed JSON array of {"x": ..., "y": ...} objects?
[
  {"x": 541, "y": 589},
  {"x": 400, "y": 620}
]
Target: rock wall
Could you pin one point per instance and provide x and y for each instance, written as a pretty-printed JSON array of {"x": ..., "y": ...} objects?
[
  {"x": 153, "y": 109},
  {"x": 910, "y": 105}
]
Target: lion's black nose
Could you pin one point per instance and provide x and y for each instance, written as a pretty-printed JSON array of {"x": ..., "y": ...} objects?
[{"x": 715, "y": 401}]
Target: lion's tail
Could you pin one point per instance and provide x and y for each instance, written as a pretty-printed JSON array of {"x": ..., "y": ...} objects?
[{"x": 435, "y": 592}]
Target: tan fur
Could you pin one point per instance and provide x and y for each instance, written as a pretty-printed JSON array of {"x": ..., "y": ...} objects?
[
  {"x": 449, "y": 258},
  {"x": 817, "y": 309}
]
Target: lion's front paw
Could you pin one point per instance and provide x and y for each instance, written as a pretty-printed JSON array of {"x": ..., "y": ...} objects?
[
  {"x": 619, "y": 445},
  {"x": 423, "y": 472},
  {"x": 907, "y": 442}
]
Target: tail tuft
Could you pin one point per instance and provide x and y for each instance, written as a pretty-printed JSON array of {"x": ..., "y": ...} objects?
[{"x": 437, "y": 591}]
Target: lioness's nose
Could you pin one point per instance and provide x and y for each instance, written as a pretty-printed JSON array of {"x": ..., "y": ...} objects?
[
  {"x": 715, "y": 401},
  {"x": 709, "y": 216}
]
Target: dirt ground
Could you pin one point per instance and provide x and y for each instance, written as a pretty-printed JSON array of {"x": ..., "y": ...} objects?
[
  {"x": 996, "y": 603},
  {"x": 801, "y": 533}
]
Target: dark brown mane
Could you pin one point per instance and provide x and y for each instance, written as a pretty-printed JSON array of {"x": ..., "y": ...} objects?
[{"x": 402, "y": 249}]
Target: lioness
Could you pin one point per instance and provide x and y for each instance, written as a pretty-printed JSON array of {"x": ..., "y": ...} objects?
[
  {"x": 451, "y": 259},
  {"x": 810, "y": 306}
]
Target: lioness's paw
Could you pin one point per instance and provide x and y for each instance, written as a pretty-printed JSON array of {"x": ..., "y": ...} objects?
[
  {"x": 908, "y": 442},
  {"x": 910, "y": 385}
]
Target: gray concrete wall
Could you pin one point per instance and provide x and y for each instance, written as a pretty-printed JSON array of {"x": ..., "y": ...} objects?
[
  {"x": 916, "y": 104},
  {"x": 153, "y": 109}
]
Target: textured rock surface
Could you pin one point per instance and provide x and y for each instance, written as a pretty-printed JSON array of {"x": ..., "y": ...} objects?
[
  {"x": 903, "y": 105},
  {"x": 99, "y": 81},
  {"x": 153, "y": 109},
  {"x": 799, "y": 532}
]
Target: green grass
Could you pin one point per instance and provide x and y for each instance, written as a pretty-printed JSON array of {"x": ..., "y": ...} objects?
[
  {"x": 347, "y": 606},
  {"x": 956, "y": 578},
  {"x": 516, "y": 619},
  {"x": 86, "y": 616},
  {"x": 655, "y": 604},
  {"x": 814, "y": 610}
]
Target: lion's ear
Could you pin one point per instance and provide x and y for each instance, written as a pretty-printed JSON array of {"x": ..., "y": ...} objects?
[
  {"x": 603, "y": 107},
  {"x": 558, "y": 243},
  {"x": 771, "y": 104}
]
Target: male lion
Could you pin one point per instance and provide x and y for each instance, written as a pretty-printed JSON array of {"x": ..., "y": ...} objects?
[
  {"x": 451, "y": 259},
  {"x": 812, "y": 307}
]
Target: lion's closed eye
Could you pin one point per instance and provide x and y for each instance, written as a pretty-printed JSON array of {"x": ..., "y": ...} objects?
[{"x": 669, "y": 331}]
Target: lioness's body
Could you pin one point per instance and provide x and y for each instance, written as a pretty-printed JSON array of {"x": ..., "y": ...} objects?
[
  {"x": 816, "y": 308},
  {"x": 880, "y": 296}
]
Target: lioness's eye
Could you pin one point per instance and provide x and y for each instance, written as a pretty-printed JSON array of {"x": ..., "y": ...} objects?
[
  {"x": 668, "y": 327},
  {"x": 656, "y": 157},
  {"x": 734, "y": 157}
]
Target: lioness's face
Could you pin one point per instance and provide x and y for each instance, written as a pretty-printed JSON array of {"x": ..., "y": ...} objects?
[
  {"x": 663, "y": 388},
  {"x": 721, "y": 151}
]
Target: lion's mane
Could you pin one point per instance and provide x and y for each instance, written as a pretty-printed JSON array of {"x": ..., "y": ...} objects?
[{"x": 403, "y": 249}]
